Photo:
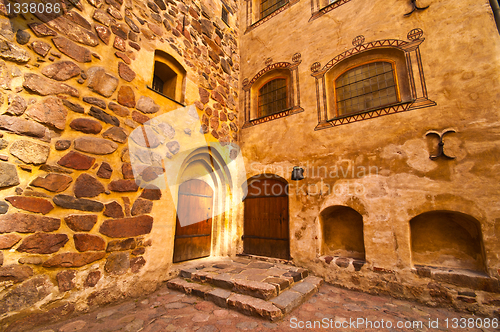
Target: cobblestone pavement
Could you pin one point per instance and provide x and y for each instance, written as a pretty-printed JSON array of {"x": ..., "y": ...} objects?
[{"x": 168, "y": 310}]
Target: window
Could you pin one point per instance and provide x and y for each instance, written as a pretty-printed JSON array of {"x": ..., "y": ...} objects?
[
  {"x": 372, "y": 79},
  {"x": 225, "y": 15},
  {"x": 273, "y": 97},
  {"x": 168, "y": 77},
  {"x": 365, "y": 87},
  {"x": 258, "y": 12},
  {"x": 269, "y": 6},
  {"x": 164, "y": 80},
  {"x": 273, "y": 93}
]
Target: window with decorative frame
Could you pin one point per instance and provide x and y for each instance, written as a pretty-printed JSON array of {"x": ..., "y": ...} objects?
[
  {"x": 371, "y": 80},
  {"x": 272, "y": 93}
]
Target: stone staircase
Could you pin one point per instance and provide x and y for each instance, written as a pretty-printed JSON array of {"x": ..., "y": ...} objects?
[{"x": 266, "y": 289}]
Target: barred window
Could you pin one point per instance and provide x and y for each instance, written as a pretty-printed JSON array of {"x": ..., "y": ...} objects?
[
  {"x": 273, "y": 97},
  {"x": 365, "y": 87},
  {"x": 269, "y": 6},
  {"x": 157, "y": 84}
]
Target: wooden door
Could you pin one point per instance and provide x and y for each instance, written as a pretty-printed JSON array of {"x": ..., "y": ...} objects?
[
  {"x": 193, "y": 231},
  {"x": 265, "y": 231}
]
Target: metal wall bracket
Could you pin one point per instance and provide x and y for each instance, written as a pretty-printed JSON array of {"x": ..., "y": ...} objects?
[
  {"x": 415, "y": 8},
  {"x": 440, "y": 152}
]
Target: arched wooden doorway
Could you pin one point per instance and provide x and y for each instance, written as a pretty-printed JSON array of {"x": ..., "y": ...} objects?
[
  {"x": 266, "y": 230},
  {"x": 193, "y": 230}
]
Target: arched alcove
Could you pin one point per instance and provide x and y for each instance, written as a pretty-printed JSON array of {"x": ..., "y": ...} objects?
[
  {"x": 342, "y": 232},
  {"x": 447, "y": 239}
]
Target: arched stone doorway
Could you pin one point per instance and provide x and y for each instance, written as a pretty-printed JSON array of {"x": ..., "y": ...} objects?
[
  {"x": 204, "y": 224},
  {"x": 266, "y": 217},
  {"x": 447, "y": 239}
]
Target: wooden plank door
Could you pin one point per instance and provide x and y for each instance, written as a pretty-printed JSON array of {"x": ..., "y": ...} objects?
[
  {"x": 193, "y": 231},
  {"x": 265, "y": 231}
]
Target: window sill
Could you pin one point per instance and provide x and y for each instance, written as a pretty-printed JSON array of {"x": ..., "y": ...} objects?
[
  {"x": 279, "y": 115},
  {"x": 368, "y": 114},
  {"x": 161, "y": 94}
]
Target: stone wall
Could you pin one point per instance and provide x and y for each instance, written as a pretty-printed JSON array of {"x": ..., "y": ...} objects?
[
  {"x": 77, "y": 228},
  {"x": 379, "y": 166}
]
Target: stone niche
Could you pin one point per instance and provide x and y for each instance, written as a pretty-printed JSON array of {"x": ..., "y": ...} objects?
[
  {"x": 447, "y": 239},
  {"x": 342, "y": 229}
]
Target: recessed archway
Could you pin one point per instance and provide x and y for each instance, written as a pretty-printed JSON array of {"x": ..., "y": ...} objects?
[
  {"x": 206, "y": 167},
  {"x": 342, "y": 232},
  {"x": 447, "y": 239}
]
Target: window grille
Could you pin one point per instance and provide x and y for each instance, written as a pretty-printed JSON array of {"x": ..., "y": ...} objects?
[
  {"x": 365, "y": 87},
  {"x": 157, "y": 84},
  {"x": 273, "y": 97},
  {"x": 269, "y": 6}
]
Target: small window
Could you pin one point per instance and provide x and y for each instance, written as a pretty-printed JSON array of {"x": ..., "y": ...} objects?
[
  {"x": 365, "y": 87},
  {"x": 273, "y": 97},
  {"x": 168, "y": 77},
  {"x": 225, "y": 15},
  {"x": 164, "y": 80},
  {"x": 269, "y": 6}
]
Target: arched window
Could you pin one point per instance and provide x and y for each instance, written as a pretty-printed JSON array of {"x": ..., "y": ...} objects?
[
  {"x": 273, "y": 97},
  {"x": 168, "y": 77},
  {"x": 366, "y": 87},
  {"x": 372, "y": 79},
  {"x": 273, "y": 93}
]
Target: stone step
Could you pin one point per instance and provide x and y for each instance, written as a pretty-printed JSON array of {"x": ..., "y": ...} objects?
[
  {"x": 273, "y": 309},
  {"x": 297, "y": 294},
  {"x": 265, "y": 287}
]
